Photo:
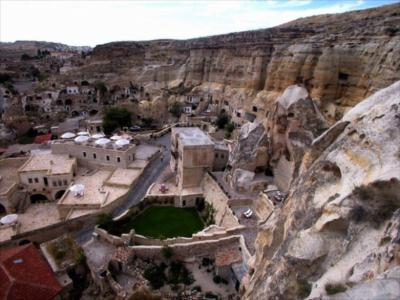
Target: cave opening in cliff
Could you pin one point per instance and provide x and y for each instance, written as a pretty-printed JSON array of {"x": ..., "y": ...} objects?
[{"x": 343, "y": 76}]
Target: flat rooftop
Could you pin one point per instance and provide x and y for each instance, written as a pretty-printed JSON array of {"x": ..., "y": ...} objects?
[
  {"x": 9, "y": 173},
  {"x": 91, "y": 143},
  {"x": 53, "y": 164},
  {"x": 192, "y": 136},
  {"x": 95, "y": 193}
]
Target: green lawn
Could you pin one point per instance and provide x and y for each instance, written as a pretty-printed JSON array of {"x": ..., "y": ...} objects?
[{"x": 161, "y": 222}]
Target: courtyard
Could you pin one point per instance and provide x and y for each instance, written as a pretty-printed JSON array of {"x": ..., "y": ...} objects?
[{"x": 161, "y": 222}]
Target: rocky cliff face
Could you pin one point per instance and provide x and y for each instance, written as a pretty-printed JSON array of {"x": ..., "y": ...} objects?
[
  {"x": 340, "y": 59},
  {"x": 338, "y": 234}
]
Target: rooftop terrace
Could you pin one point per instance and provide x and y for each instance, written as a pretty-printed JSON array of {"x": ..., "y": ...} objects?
[
  {"x": 52, "y": 163},
  {"x": 192, "y": 136}
]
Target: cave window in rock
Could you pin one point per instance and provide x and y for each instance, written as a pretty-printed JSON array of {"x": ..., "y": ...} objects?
[
  {"x": 269, "y": 172},
  {"x": 255, "y": 109},
  {"x": 290, "y": 115},
  {"x": 37, "y": 198},
  {"x": 74, "y": 113},
  {"x": 2, "y": 210},
  {"x": 343, "y": 76},
  {"x": 287, "y": 154},
  {"x": 93, "y": 112},
  {"x": 68, "y": 102},
  {"x": 24, "y": 242},
  {"x": 59, "y": 194}
]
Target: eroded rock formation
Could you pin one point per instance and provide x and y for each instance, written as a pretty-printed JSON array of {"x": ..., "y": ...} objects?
[{"x": 339, "y": 228}]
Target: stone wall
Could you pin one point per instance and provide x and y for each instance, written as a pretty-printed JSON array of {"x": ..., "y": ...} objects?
[
  {"x": 96, "y": 155},
  {"x": 187, "y": 250},
  {"x": 214, "y": 195}
]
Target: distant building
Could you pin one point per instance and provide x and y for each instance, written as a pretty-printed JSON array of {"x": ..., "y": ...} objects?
[{"x": 72, "y": 90}]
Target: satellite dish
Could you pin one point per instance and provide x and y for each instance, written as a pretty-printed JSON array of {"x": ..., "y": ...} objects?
[
  {"x": 122, "y": 142},
  {"x": 102, "y": 141},
  {"x": 81, "y": 138},
  {"x": 68, "y": 135},
  {"x": 9, "y": 219}
]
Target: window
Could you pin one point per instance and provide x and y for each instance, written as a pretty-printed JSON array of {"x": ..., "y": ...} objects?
[
  {"x": 108, "y": 157},
  {"x": 37, "y": 180},
  {"x": 54, "y": 183},
  {"x": 94, "y": 155},
  {"x": 60, "y": 182},
  {"x": 84, "y": 154},
  {"x": 65, "y": 182},
  {"x": 255, "y": 108},
  {"x": 30, "y": 180},
  {"x": 118, "y": 159},
  {"x": 216, "y": 155}
]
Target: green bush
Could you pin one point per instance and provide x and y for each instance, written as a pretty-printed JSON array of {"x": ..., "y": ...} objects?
[
  {"x": 167, "y": 252},
  {"x": 155, "y": 275},
  {"x": 303, "y": 288},
  {"x": 334, "y": 288},
  {"x": 222, "y": 120},
  {"x": 176, "y": 109},
  {"x": 80, "y": 258},
  {"x": 103, "y": 220},
  {"x": 178, "y": 273},
  {"x": 116, "y": 117}
]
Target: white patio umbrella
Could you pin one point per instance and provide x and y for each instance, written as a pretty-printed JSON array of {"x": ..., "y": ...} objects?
[
  {"x": 68, "y": 135},
  {"x": 81, "y": 138},
  {"x": 122, "y": 142},
  {"x": 8, "y": 219},
  {"x": 102, "y": 141},
  {"x": 116, "y": 137},
  {"x": 77, "y": 189},
  {"x": 84, "y": 133},
  {"x": 97, "y": 135}
]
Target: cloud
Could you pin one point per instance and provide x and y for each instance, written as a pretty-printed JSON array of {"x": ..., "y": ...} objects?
[{"x": 84, "y": 22}]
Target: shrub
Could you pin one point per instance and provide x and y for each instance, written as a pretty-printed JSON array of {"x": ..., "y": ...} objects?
[
  {"x": 222, "y": 120},
  {"x": 334, "y": 288},
  {"x": 303, "y": 288},
  {"x": 116, "y": 117},
  {"x": 178, "y": 273},
  {"x": 217, "y": 279},
  {"x": 155, "y": 275},
  {"x": 176, "y": 109},
  {"x": 4, "y": 77},
  {"x": 167, "y": 252},
  {"x": 80, "y": 258},
  {"x": 103, "y": 220}
]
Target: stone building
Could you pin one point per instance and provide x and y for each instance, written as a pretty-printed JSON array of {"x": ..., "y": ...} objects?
[
  {"x": 192, "y": 154},
  {"x": 47, "y": 176},
  {"x": 91, "y": 153}
]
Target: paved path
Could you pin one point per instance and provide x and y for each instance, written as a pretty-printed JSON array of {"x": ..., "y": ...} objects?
[{"x": 150, "y": 175}]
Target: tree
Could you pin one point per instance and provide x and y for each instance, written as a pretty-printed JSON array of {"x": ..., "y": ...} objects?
[
  {"x": 167, "y": 252},
  {"x": 101, "y": 87},
  {"x": 25, "y": 57},
  {"x": 176, "y": 109},
  {"x": 116, "y": 117},
  {"x": 4, "y": 77},
  {"x": 229, "y": 129},
  {"x": 222, "y": 120},
  {"x": 103, "y": 220}
]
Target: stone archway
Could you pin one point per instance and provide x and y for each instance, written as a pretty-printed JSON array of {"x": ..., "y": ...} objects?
[
  {"x": 59, "y": 194},
  {"x": 36, "y": 198}
]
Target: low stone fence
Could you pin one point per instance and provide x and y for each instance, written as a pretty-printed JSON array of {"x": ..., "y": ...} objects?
[{"x": 183, "y": 251}]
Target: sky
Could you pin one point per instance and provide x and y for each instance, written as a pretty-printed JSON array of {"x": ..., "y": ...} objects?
[{"x": 92, "y": 22}]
